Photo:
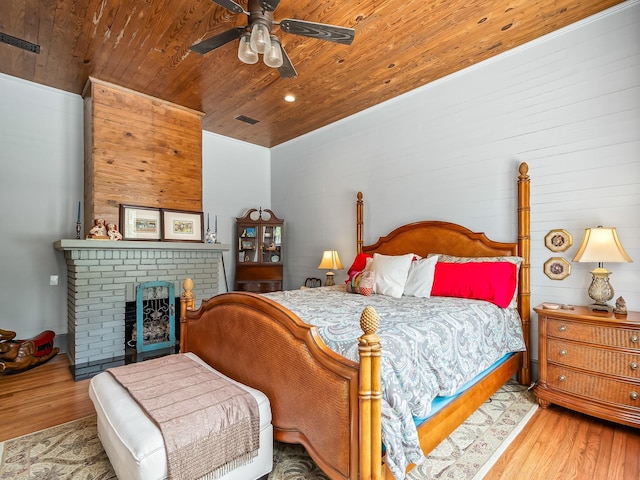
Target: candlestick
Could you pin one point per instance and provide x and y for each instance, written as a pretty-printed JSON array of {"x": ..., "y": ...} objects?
[
  {"x": 78, "y": 221},
  {"x": 215, "y": 230},
  {"x": 207, "y": 221}
]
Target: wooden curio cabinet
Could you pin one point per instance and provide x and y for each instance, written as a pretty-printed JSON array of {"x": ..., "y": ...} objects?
[{"x": 259, "y": 252}]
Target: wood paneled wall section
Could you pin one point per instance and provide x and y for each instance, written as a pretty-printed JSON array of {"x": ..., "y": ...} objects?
[{"x": 139, "y": 151}]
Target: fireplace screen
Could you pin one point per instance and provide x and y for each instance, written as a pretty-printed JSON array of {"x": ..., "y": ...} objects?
[{"x": 155, "y": 316}]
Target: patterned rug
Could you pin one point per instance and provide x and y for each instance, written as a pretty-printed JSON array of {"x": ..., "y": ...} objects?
[{"x": 73, "y": 450}]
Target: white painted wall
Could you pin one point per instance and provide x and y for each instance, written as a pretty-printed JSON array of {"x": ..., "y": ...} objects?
[
  {"x": 235, "y": 178},
  {"x": 41, "y": 183},
  {"x": 567, "y": 104},
  {"x": 42, "y": 180}
]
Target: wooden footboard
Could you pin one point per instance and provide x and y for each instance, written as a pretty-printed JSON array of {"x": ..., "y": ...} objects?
[{"x": 317, "y": 397}]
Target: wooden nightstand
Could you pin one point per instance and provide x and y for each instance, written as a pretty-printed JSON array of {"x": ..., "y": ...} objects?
[{"x": 590, "y": 362}]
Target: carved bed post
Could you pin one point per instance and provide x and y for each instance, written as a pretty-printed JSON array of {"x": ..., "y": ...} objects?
[
  {"x": 359, "y": 223},
  {"x": 370, "y": 397},
  {"x": 187, "y": 302},
  {"x": 524, "y": 250}
]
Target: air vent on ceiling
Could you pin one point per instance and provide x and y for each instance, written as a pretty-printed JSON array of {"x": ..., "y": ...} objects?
[
  {"x": 245, "y": 119},
  {"x": 18, "y": 42}
]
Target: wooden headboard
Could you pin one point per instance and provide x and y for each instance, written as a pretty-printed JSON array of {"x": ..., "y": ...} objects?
[
  {"x": 427, "y": 237},
  {"x": 448, "y": 238}
]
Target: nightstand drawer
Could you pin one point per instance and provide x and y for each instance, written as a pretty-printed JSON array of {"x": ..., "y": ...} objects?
[
  {"x": 594, "y": 386},
  {"x": 601, "y": 360},
  {"x": 582, "y": 332}
]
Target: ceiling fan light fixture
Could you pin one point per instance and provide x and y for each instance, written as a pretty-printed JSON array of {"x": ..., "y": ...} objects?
[
  {"x": 245, "y": 53},
  {"x": 273, "y": 58},
  {"x": 260, "y": 38}
]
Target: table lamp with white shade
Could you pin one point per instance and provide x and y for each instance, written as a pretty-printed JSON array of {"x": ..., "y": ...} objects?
[
  {"x": 600, "y": 245},
  {"x": 330, "y": 261}
]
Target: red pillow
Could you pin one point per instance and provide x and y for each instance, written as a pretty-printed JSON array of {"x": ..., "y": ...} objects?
[
  {"x": 494, "y": 282},
  {"x": 358, "y": 265}
]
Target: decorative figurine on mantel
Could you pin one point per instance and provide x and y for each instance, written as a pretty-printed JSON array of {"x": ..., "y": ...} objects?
[
  {"x": 209, "y": 236},
  {"x": 99, "y": 230},
  {"x": 113, "y": 232},
  {"x": 621, "y": 307}
]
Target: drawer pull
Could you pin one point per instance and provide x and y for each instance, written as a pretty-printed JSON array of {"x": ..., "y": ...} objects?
[
  {"x": 563, "y": 328},
  {"x": 563, "y": 352},
  {"x": 634, "y": 395},
  {"x": 633, "y": 365},
  {"x": 634, "y": 338},
  {"x": 563, "y": 378}
]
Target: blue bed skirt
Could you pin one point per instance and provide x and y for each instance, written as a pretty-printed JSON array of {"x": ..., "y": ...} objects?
[{"x": 440, "y": 402}]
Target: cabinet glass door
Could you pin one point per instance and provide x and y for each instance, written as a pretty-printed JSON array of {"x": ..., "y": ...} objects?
[
  {"x": 248, "y": 245},
  {"x": 272, "y": 244}
]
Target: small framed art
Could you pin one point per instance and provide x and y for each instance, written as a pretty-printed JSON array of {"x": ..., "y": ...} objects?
[
  {"x": 557, "y": 268},
  {"x": 182, "y": 226},
  {"x": 140, "y": 223},
  {"x": 558, "y": 240}
]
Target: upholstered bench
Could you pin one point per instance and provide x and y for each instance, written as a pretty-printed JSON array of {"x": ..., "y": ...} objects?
[{"x": 135, "y": 446}]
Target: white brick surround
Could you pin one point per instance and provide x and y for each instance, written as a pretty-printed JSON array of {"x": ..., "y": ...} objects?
[{"x": 102, "y": 276}]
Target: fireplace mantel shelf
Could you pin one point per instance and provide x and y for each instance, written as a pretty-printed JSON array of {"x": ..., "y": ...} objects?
[{"x": 73, "y": 244}]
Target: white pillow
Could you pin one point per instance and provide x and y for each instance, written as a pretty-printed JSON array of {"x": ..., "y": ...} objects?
[
  {"x": 420, "y": 278},
  {"x": 391, "y": 273}
]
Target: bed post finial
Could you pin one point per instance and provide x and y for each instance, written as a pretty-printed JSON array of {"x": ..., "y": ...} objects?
[
  {"x": 369, "y": 320},
  {"x": 370, "y": 396}
]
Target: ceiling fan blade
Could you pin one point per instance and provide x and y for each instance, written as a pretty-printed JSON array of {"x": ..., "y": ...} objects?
[
  {"x": 216, "y": 41},
  {"x": 269, "y": 5},
  {"x": 286, "y": 70},
  {"x": 321, "y": 31},
  {"x": 230, "y": 5}
]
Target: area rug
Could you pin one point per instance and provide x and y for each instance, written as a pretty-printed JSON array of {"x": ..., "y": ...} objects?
[{"x": 73, "y": 450}]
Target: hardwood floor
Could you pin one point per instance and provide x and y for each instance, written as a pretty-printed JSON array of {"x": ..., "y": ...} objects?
[
  {"x": 555, "y": 444},
  {"x": 561, "y": 444},
  {"x": 40, "y": 398}
]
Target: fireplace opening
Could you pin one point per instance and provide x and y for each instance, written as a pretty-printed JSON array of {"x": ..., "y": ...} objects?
[{"x": 130, "y": 326}]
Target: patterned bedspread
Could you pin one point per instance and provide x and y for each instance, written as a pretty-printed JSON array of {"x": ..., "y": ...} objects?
[{"x": 430, "y": 347}]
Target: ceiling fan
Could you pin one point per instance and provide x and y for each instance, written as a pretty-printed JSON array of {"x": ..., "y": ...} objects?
[{"x": 256, "y": 37}]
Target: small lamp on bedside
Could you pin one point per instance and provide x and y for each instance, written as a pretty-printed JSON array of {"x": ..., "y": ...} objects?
[
  {"x": 330, "y": 261},
  {"x": 601, "y": 245}
]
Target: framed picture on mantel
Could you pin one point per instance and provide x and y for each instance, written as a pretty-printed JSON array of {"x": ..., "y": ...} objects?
[
  {"x": 182, "y": 226},
  {"x": 140, "y": 223}
]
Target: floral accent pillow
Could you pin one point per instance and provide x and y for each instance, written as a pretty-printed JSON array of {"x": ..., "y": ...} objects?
[{"x": 362, "y": 283}]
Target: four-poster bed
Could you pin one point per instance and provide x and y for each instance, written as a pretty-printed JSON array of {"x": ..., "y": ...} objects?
[{"x": 323, "y": 400}]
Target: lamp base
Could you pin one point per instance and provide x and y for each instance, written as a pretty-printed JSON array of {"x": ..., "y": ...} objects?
[
  {"x": 600, "y": 307},
  {"x": 329, "y": 281},
  {"x": 600, "y": 291}
]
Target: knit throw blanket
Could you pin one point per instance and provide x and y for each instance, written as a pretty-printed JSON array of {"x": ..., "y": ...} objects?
[{"x": 210, "y": 426}]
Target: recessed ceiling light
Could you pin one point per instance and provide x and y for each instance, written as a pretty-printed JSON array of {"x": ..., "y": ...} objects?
[{"x": 289, "y": 98}]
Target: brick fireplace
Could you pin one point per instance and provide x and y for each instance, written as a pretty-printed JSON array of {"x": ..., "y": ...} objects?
[{"x": 102, "y": 277}]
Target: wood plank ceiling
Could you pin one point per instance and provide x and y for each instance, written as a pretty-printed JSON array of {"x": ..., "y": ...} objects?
[{"x": 144, "y": 45}]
